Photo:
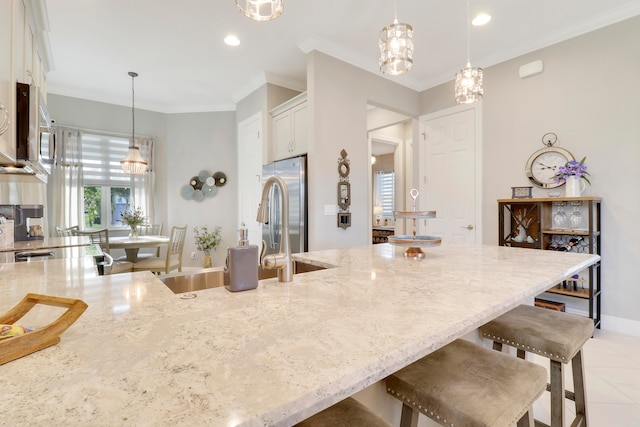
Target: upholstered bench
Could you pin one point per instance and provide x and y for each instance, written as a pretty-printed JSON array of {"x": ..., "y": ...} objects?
[
  {"x": 348, "y": 412},
  {"x": 555, "y": 335},
  {"x": 465, "y": 384}
]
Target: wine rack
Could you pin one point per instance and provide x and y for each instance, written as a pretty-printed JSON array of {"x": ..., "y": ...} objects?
[{"x": 562, "y": 224}]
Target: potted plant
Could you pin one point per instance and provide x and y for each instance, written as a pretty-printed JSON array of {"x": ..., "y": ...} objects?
[
  {"x": 572, "y": 173},
  {"x": 207, "y": 241},
  {"x": 133, "y": 218}
]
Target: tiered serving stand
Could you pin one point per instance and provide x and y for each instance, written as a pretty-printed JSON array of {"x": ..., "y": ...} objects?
[{"x": 413, "y": 242}]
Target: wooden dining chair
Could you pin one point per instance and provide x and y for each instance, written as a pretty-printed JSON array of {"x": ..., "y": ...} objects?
[
  {"x": 100, "y": 237},
  {"x": 149, "y": 230},
  {"x": 173, "y": 258},
  {"x": 66, "y": 232}
]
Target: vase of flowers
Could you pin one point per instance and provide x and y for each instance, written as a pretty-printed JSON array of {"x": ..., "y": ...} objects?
[
  {"x": 207, "y": 241},
  {"x": 133, "y": 218},
  {"x": 574, "y": 174}
]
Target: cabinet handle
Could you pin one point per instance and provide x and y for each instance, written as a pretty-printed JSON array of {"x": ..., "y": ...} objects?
[
  {"x": 468, "y": 227},
  {"x": 4, "y": 119}
]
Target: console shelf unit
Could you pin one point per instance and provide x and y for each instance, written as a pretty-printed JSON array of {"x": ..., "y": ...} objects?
[{"x": 529, "y": 223}]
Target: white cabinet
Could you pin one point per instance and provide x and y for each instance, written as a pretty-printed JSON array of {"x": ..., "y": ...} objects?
[
  {"x": 289, "y": 127},
  {"x": 20, "y": 61}
]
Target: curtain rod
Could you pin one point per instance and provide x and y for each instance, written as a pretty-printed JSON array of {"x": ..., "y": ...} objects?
[{"x": 105, "y": 132}]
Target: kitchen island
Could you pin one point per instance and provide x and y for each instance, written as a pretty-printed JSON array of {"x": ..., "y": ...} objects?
[{"x": 141, "y": 355}]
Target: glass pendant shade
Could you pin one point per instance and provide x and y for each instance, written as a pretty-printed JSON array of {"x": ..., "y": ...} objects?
[
  {"x": 260, "y": 10},
  {"x": 468, "y": 87},
  {"x": 396, "y": 48},
  {"x": 133, "y": 163}
]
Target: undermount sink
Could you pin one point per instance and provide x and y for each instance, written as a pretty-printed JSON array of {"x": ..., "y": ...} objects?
[{"x": 216, "y": 279}]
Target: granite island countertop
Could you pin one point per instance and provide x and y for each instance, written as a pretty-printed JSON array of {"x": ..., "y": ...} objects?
[{"x": 141, "y": 355}]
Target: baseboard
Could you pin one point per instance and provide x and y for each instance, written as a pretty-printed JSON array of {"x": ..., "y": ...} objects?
[{"x": 612, "y": 323}]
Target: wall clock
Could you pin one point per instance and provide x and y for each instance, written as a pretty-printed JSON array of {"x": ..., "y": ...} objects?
[{"x": 544, "y": 163}]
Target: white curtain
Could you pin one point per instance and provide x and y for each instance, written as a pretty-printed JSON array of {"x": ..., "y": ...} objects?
[
  {"x": 143, "y": 185},
  {"x": 65, "y": 191}
]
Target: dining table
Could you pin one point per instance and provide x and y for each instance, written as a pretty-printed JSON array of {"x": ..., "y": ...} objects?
[{"x": 132, "y": 245}]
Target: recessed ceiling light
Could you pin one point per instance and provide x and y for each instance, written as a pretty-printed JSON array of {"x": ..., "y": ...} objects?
[
  {"x": 481, "y": 19},
  {"x": 232, "y": 40}
]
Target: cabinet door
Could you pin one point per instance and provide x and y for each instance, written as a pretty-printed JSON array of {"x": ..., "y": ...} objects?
[
  {"x": 7, "y": 88},
  {"x": 299, "y": 124},
  {"x": 282, "y": 135}
]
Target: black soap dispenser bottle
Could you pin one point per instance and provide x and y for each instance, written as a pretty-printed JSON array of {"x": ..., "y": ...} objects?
[{"x": 242, "y": 264}]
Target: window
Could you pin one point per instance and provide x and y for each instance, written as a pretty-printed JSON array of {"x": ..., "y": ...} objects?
[
  {"x": 107, "y": 189},
  {"x": 384, "y": 193}
]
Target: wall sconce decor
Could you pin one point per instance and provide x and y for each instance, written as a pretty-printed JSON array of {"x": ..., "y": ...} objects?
[
  {"x": 344, "y": 191},
  {"x": 204, "y": 185}
]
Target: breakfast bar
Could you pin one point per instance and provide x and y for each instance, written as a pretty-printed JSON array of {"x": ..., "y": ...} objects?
[{"x": 273, "y": 356}]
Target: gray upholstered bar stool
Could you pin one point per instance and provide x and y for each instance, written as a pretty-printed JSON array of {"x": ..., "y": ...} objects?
[
  {"x": 555, "y": 335},
  {"x": 465, "y": 384},
  {"x": 348, "y": 412}
]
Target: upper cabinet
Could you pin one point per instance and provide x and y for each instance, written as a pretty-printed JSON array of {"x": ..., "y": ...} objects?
[
  {"x": 289, "y": 127},
  {"x": 24, "y": 58}
]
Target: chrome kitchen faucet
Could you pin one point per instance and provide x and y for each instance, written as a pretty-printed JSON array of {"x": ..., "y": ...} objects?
[{"x": 282, "y": 260}]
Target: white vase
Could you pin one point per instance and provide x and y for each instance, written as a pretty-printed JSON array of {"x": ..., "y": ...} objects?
[{"x": 574, "y": 186}]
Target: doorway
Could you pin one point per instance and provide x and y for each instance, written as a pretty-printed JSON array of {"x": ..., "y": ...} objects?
[{"x": 389, "y": 135}]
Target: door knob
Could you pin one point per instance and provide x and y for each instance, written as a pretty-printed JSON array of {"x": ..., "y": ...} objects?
[{"x": 468, "y": 227}]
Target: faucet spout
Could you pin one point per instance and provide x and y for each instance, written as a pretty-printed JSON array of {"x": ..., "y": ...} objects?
[{"x": 282, "y": 260}]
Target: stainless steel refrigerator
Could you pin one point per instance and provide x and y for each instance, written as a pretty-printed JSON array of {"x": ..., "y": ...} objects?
[{"x": 294, "y": 173}]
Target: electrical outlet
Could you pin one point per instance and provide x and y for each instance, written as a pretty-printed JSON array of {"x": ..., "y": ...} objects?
[{"x": 193, "y": 255}]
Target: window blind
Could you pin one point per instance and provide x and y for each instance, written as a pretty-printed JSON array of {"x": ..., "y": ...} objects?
[
  {"x": 385, "y": 190},
  {"x": 101, "y": 155}
]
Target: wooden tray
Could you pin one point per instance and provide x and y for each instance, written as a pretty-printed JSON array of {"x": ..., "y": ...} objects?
[{"x": 21, "y": 345}]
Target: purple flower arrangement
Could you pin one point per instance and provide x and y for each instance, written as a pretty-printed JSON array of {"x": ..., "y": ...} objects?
[{"x": 572, "y": 168}]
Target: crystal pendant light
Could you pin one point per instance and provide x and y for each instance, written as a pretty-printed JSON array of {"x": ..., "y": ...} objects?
[
  {"x": 261, "y": 10},
  {"x": 133, "y": 163},
  {"x": 468, "y": 87},
  {"x": 396, "y": 47}
]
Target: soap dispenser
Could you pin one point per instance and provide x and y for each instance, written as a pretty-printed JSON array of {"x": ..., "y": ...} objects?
[{"x": 242, "y": 264}]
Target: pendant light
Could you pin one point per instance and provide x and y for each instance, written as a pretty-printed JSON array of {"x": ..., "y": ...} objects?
[
  {"x": 468, "y": 87},
  {"x": 133, "y": 162},
  {"x": 260, "y": 10},
  {"x": 396, "y": 47}
]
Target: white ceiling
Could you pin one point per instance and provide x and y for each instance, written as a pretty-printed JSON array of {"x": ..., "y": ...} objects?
[{"x": 177, "y": 46}]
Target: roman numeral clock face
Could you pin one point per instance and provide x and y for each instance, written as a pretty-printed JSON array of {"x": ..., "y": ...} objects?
[{"x": 544, "y": 164}]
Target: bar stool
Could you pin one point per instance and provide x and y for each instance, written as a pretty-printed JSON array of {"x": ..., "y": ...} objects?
[
  {"x": 348, "y": 412},
  {"x": 555, "y": 335},
  {"x": 465, "y": 384}
]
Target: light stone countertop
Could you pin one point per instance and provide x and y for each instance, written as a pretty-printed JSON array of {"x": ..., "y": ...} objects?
[
  {"x": 47, "y": 243},
  {"x": 141, "y": 355}
]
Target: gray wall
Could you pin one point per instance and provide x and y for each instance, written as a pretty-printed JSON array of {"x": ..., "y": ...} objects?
[
  {"x": 186, "y": 144},
  {"x": 588, "y": 96}
]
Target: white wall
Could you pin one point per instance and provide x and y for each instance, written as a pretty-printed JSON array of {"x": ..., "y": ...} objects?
[
  {"x": 338, "y": 95},
  {"x": 588, "y": 96}
]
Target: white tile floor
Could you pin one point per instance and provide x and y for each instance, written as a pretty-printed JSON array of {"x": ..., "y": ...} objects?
[{"x": 612, "y": 369}]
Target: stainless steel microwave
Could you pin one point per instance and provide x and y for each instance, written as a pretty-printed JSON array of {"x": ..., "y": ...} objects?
[{"x": 35, "y": 135}]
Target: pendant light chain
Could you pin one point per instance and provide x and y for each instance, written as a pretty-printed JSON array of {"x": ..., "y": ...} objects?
[
  {"x": 468, "y": 37},
  {"x": 133, "y": 108}
]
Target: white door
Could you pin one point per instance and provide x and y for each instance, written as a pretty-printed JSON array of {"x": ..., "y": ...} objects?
[
  {"x": 249, "y": 176},
  {"x": 449, "y": 174}
]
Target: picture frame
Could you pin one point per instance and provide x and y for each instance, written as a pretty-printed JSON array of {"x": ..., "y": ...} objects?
[
  {"x": 521, "y": 192},
  {"x": 344, "y": 220},
  {"x": 343, "y": 168},
  {"x": 344, "y": 195}
]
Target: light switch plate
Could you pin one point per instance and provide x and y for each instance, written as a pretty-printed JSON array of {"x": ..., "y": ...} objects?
[{"x": 330, "y": 210}]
